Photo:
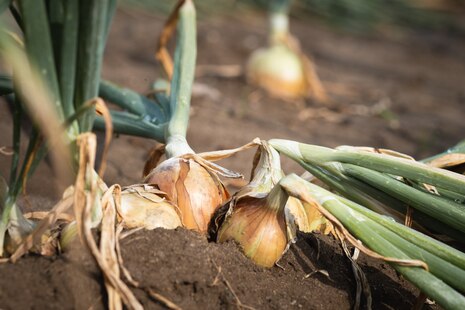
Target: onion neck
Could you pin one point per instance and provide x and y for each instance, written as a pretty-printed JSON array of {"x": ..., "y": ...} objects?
[
  {"x": 277, "y": 199},
  {"x": 279, "y": 27},
  {"x": 175, "y": 135},
  {"x": 177, "y": 146}
]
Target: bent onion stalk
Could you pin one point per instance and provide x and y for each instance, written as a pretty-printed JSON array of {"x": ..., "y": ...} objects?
[
  {"x": 282, "y": 68},
  {"x": 379, "y": 162},
  {"x": 375, "y": 171}
]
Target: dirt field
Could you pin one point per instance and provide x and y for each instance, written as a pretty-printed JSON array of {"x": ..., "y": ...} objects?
[{"x": 403, "y": 91}]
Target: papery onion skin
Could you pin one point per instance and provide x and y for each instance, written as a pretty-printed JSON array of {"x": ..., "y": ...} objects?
[
  {"x": 298, "y": 214},
  {"x": 307, "y": 217},
  {"x": 147, "y": 210},
  {"x": 259, "y": 230},
  {"x": 192, "y": 188}
]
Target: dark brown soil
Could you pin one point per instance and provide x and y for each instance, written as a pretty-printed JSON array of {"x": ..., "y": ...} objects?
[
  {"x": 197, "y": 274},
  {"x": 399, "y": 90}
]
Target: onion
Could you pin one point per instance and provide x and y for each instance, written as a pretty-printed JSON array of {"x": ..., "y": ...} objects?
[
  {"x": 278, "y": 70},
  {"x": 145, "y": 206},
  {"x": 256, "y": 218},
  {"x": 259, "y": 226},
  {"x": 282, "y": 69},
  {"x": 196, "y": 191}
]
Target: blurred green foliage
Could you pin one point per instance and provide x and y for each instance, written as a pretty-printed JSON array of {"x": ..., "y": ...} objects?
[
  {"x": 366, "y": 15},
  {"x": 354, "y": 15}
]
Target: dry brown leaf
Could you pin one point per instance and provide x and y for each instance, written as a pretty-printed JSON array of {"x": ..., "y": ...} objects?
[
  {"x": 40, "y": 215},
  {"x": 7, "y": 151},
  {"x": 102, "y": 110},
  {"x": 154, "y": 158},
  {"x": 162, "y": 54},
  {"x": 108, "y": 244},
  {"x": 223, "y": 154},
  {"x": 84, "y": 199},
  {"x": 448, "y": 160},
  {"x": 163, "y": 300}
]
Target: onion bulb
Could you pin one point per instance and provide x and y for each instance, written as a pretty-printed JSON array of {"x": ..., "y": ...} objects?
[
  {"x": 278, "y": 70},
  {"x": 256, "y": 217},
  {"x": 193, "y": 188},
  {"x": 259, "y": 226},
  {"x": 282, "y": 69},
  {"x": 147, "y": 207}
]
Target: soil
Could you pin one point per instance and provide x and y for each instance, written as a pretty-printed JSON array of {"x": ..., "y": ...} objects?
[{"x": 398, "y": 90}]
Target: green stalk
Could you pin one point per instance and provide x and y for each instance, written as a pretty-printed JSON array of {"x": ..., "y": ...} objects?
[
  {"x": 432, "y": 245},
  {"x": 129, "y": 124},
  {"x": 109, "y": 16},
  {"x": 148, "y": 122},
  {"x": 31, "y": 160},
  {"x": 93, "y": 20},
  {"x": 17, "y": 113},
  {"x": 383, "y": 163},
  {"x": 56, "y": 17},
  {"x": 376, "y": 200},
  {"x": 133, "y": 102},
  {"x": 160, "y": 93},
  {"x": 279, "y": 6},
  {"x": 355, "y": 190},
  {"x": 449, "y": 273},
  {"x": 279, "y": 20},
  {"x": 445, "y": 211},
  {"x": 68, "y": 55},
  {"x": 181, "y": 83},
  {"x": 4, "y": 4},
  {"x": 460, "y": 199},
  {"x": 371, "y": 197},
  {"x": 39, "y": 46},
  {"x": 441, "y": 192},
  {"x": 434, "y": 287},
  {"x": 123, "y": 97}
]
